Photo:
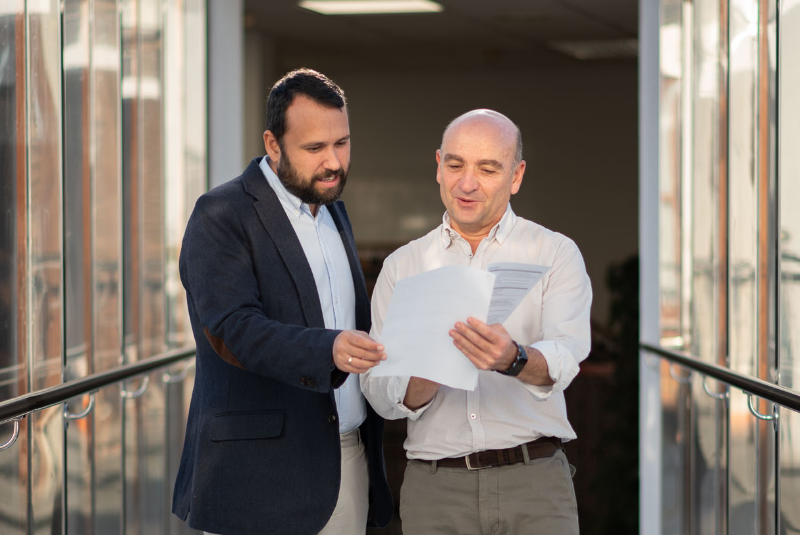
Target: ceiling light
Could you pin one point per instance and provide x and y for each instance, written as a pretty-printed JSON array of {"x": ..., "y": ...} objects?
[
  {"x": 603, "y": 49},
  {"x": 370, "y": 7}
]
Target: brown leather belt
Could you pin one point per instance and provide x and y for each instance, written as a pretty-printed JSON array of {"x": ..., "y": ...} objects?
[{"x": 541, "y": 447}]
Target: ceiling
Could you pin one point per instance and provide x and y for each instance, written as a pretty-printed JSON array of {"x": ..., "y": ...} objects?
[{"x": 489, "y": 32}]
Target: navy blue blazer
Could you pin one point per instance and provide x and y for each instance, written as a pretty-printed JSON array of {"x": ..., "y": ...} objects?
[{"x": 262, "y": 451}]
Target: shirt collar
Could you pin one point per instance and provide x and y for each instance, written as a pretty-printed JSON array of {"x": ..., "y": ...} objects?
[
  {"x": 499, "y": 232},
  {"x": 289, "y": 200}
]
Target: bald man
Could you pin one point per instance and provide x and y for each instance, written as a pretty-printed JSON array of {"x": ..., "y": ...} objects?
[{"x": 490, "y": 460}]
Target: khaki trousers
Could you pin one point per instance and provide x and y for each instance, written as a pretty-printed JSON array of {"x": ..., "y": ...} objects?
[
  {"x": 519, "y": 499},
  {"x": 350, "y": 515}
]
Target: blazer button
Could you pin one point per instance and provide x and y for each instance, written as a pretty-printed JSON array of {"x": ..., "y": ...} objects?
[
  {"x": 332, "y": 419},
  {"x": 310, "y": 383},
  {"x": 304, "y": 381}
]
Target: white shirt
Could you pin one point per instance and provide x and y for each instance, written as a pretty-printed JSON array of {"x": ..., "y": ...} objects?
[
  {"x": 327, "y": 257},
  {"x": 502, "y": 411}
]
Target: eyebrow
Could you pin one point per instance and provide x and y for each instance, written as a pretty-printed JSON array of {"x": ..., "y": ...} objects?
[{"x": 493, "y": 163}]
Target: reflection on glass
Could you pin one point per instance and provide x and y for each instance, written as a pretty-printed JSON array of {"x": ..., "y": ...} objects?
[
  {"x": 44, "y": 185},
  {"x": 709, "y": 444},
  {"x": 152, "y": 324},
  {"x": 743, "y": 257},
  {"x": 77, "y": 190},
  {"x": 107, "y": 225},
  {"x": 131, "y": 156},
  {"x": 670, "y": 171},
  {"x": 108, "y": 459},
  {"x": 178, "y": 396},
  {"x": 789, "y": 291},
  {"x": 14, "y": 480},
  {"x": 13, "y": 368},
  {"x": 46, "y": 476},
  {"x": 146, "y": 495},
  {"x": 80, "y": 468},
  {"x": 674, "y": 418}
]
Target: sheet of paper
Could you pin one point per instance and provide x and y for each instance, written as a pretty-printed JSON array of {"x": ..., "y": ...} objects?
[
  {"x": 512, "y": 283},
  {"x": 421, "y": 313}
]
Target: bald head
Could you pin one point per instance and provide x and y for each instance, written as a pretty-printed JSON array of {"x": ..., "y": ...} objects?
[{"x": 502, "y": 125}]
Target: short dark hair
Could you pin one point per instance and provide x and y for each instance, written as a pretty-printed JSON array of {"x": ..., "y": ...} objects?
[{"x": 308, "y": 82}]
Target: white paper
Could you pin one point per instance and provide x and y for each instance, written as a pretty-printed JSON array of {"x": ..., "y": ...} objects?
[
  {"x": 421, "y": 313},
  {"x": 512, "y": 283}
]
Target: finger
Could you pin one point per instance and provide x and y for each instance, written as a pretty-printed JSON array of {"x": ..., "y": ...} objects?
[
  {"x": 364, "y": 354},
  {"x": 473, "y": 336},
  {"x": 484, "y": 330},
  {"x": 468, "y": 352},
  {"x": 363, "y": 340},
  {"x": 360, "y": 365},
  {"x": 467, "y": 346}
]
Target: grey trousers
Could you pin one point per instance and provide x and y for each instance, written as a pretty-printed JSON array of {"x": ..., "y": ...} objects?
[{"x": 519, "y": 499}]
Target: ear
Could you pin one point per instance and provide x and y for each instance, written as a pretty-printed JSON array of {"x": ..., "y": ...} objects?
[
  {"x": 272, "y": 146},
  {"x": 438, "y": 166},
  {"x": 516, "y": 179}
]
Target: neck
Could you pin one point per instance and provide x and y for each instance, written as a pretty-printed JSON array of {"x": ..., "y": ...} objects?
[{"x": 473, "y": 236}]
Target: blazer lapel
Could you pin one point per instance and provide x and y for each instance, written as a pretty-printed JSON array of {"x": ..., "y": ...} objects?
[
  {"x": 279, "y": 228},
  {"x": 339, "y": 215}
]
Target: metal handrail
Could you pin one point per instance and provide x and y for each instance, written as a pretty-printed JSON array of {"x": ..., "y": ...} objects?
[
  {"x": 780, "y": 395},
  {"x": 54, "y": 395}
]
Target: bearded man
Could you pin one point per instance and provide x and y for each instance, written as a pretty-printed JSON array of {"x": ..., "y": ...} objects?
[{"x": 279, "y": 437}]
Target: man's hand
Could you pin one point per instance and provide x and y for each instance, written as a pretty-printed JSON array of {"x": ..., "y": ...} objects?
[
  {"x": 356, "y": 352},
  {"x": 489, "y": 347}
]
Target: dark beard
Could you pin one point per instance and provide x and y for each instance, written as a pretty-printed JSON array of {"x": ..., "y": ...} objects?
[{"x": 305, "y": 191}]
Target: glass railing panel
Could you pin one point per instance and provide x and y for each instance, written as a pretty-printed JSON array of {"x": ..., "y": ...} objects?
[
  {"x": 80, "y": 467},
  {"x": 108, "y": 459},
  {"x": 743, "y": 258},
  {"x": 13, "y": 223},
  {"x": 146, "y": 493},
  {"x": 46, "y": 471},
  {"x": 44, "y": 278},
  {"x": 179, "y": 396},
  {"x": 789, "y": 233},
  {"x": 107, "y": 199},
  {"x": 709, "y": 420},
  {"x": 77, "y": 189},
  {"x": 14, "y": 480},
  {"x": 674, "y": 420}
]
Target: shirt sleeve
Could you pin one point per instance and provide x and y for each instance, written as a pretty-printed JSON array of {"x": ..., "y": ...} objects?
[
  {"x": 566, "y": 332},
  {"x": 386, "y": 394}
]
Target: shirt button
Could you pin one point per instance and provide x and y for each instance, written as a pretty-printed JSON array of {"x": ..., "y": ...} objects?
[
  {"x": 473, "y": 416},
  {"x": 332, "y": 419}
]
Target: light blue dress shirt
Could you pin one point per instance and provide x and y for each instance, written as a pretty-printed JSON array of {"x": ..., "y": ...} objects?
[{"x": 327, "y": 257}]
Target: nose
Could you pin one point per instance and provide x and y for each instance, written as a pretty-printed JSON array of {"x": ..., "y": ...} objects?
[
  {"x": 468, "y": 182},
  {"x": 332, "y": 161}
]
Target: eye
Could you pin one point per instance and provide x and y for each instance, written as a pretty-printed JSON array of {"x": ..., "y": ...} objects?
[
  {"x": 342, "y": 143},
  {"x": 454, "y": 166},
  {"x": 488, "y": 171},
  {"x": 314, "y": 148}
]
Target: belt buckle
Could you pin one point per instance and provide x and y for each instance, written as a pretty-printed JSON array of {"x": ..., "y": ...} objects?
[{"x": 470, "y": 467}]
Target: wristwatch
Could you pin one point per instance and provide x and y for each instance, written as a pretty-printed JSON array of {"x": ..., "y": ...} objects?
[{"x": 519, "y": 362}]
